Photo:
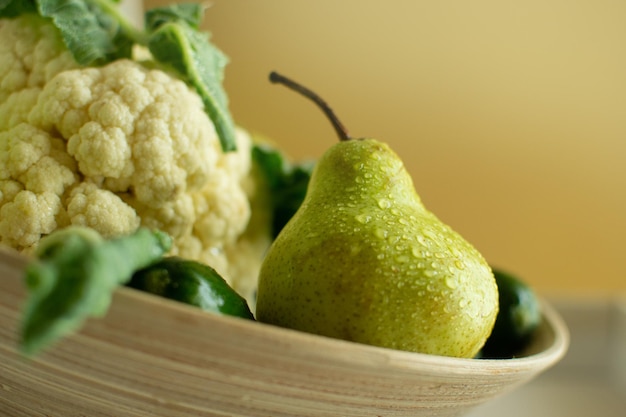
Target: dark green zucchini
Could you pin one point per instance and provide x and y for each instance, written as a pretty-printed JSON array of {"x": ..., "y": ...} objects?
[
  {"x": 517, "y": 320},
  {"x": 192, "y": 283}
]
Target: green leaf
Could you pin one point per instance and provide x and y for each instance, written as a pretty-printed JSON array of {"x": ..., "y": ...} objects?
[
  {"x": 93, "y": 30},
  {"x": 197, "y": 61},
  {"x": 190, "y": 13},
  {"x": 273, "y": 164},
  {"x": 87, "y": 33},
  {"x": 288, "y": 183},
  {"x": 74, "y": 277},
  {"x": 14, "y": 8}
]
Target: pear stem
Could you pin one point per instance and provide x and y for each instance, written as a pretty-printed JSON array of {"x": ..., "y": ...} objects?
[{"x": 342, "y": 132}]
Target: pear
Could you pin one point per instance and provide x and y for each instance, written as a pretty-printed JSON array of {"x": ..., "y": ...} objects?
[{"x": 363, "y": 260}]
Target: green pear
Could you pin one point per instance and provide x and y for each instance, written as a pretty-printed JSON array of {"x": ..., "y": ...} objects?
[{"x": 363, "y": 260}]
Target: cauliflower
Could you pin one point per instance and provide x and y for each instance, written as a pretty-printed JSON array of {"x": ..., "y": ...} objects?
[
  {"x": 31, "y": 53},
  {"x": 117, "y": 147}
]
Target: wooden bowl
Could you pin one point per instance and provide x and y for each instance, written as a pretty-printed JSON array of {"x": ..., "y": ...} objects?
[{"x": 154, "y": 357}]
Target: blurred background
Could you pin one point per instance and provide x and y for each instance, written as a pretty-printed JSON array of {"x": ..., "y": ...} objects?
[{"x": 509, "y": 115}]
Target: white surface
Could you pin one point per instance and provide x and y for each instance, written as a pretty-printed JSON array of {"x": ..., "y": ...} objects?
[
  {"x": 556, "y": 397},
  {"x": 591, "y": 379}
]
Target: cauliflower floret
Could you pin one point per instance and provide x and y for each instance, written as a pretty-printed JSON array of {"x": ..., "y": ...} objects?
[
  {"x": 31, "y": 53},
  {"x": 223, "y": 218},
  {"x": 35, "y": 159},
  {"x": 8, "y": 190},
  {"x": 91, "y": 206},
  {"x": 27, "y": 216},
  {"x": 34, "y": 175},
  {"x": 244, "y": 257},
  {"x": 223, "y": 199}
]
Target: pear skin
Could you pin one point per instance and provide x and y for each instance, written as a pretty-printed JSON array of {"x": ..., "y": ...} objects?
[{"x": 363, "y": 260}]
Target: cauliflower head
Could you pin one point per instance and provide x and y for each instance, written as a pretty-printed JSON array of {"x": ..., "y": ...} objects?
[{"x": 115, "y": 148}]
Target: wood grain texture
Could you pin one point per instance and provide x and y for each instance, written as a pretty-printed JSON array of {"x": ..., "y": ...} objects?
[{"x": 155, "y": 357}]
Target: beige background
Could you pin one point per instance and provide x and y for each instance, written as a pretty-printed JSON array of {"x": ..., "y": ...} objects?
[{"x": 510, "y": 115}]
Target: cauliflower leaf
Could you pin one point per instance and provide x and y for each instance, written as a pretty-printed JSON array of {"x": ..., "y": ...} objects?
[
  {"x": 93, "y": 30},
  {"x": 74, "y": 276},
  {"x": 176, "y": 42},
  {"x": 13, "y": 8},
  {"x": 288, "y": 182}
]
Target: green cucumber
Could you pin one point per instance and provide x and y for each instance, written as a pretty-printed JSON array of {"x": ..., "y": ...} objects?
[
  {"x": 192, "y": 283},
  {"x": 517, "y": 320}
]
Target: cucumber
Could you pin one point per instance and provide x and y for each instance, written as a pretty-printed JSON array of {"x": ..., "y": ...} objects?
[
  {"x": 518, "y": 317},
  {"x": 192, "y": 283}
]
